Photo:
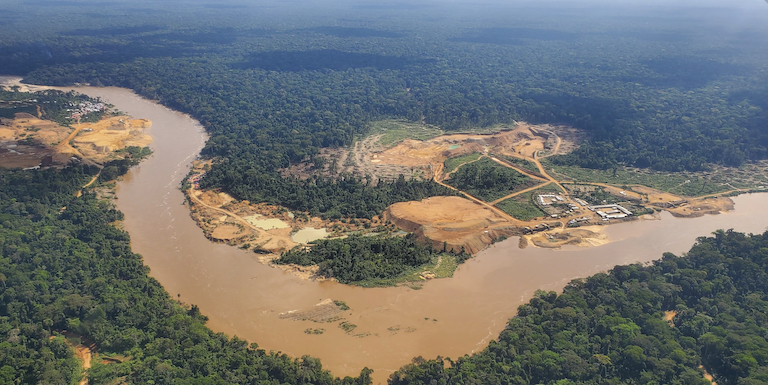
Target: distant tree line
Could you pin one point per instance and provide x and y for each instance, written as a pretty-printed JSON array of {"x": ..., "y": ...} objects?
[{"x": 268, "y": 104}]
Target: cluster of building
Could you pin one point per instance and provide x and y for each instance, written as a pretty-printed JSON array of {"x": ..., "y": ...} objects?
[
  {"x": 85, "y": 108},
  {"x": 581, "y": 202},
  {"x": 610, "y": 211},
  {"x": 579, "y": 220},
  {"x": 606, "y": 211},
  {"x": 548, "y": 199},
  {"x": 195, "y": 180},
  {"x": 537, "y": 228}
]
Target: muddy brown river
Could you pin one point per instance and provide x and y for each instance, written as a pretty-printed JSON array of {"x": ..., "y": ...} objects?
[{"x": 448, "y": 317}]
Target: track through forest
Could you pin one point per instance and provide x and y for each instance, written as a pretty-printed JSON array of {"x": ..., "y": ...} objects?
[
  {"x": 439, "y": 177},
  {"x": 191, "y": 195}
]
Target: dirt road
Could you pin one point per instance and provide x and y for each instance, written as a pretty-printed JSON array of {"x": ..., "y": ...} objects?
[
  {"x": 191, "y": 195},
  {"x": 514, "y": 194},
  {"x": 65, "y": 147}
]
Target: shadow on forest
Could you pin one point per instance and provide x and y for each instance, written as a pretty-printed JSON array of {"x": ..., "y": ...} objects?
[
  {"x": 66, "y": 3},
  {"x": 393, "y": 6},
  {"x": 659, "y": 36},
  {"x": 685, "y": 72},
  {"x": 513, "y": 36},
  {"x": 353, "y": 32},
  {"x": 20, "y": 59},
  {"x": 326, "y": 59},
  {"x": 216, "y": 36},
  {"x": 113, "y": 31},
  {"x": 224, "y": 6},
  {"x": 225, "y": 35},
  {"x": 25, "y": 57},
  {"x": 757, "y": 120},
  {"x": 594, "y": 112}
]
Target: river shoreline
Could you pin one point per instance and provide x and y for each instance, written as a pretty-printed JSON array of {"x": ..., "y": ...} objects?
[{"x": 447, "y": 317}]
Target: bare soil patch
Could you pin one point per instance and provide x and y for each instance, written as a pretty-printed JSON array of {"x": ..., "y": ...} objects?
[
  {"x": 708, "y": 376},
  {"x": 44, "y": 132},
  {"x": 325, "y": 311},
  {"x": 424, "y": 158},
  {"x": 225, "y": 219},
  {"x": 524, "y": 140},
  {"x": 669, "y": 316},
  {"x": 700, "y": 207},
  {"x": 27, "y": 141},
  {"x": 98, "y": 141},
  {"x": 85, "y": 351},
  {"x": 15, "y": 154},
  {"x": 452, "y": 222},
  {"x": 227, "y": 232},
  {"x": 577, "y": 237},
  {"x": 655, "y": 196}
]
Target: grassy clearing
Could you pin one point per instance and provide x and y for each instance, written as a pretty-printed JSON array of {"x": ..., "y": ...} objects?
[
  {"x": 395, "y": 131},
  {"x": 523, "y": 206},
  {"x": 592, "y": 194},
  {"x": 342, "y": 305},
  {"x": 522, "y": 163},
  {"x": 452, "y": 163},
  {"x": 524, "y": 211},
  {"x": 347, "y": 327},
  {"x": 485, "y": 130},
  {"x": 687, "y": 184},
  {"x": 550, "y": 188},
  {"x": 446, "y": 268}
]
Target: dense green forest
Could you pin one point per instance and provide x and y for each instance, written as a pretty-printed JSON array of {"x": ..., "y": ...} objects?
[
  {"x": 488, "y": 180},
  {"x": 347, "y": 196},
  {"x": 273, "y": 84},
  {"x": 64, "y": 267},
  {"x": 609, "y": 328},
  {"x": 359, "y": 259}
]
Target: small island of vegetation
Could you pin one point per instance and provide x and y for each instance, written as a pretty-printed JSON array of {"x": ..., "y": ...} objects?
[{"x": 375, "y": 260}]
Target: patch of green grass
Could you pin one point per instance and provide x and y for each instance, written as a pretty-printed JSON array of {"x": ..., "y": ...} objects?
[
  {"x": 687, "y": 184},
  {"x": 550, "y": 188},
  {"x": 348, "y": 327},
  {"x": 484, "y": 130},
  {"x": 314, "y": 331},
  {"x": 524, "y": 211},
  {"x": 594, "y": 195},
  {"x": 524, "y": 207},
  {"x": 342, "y": 305},
  {"x": 452, "y": 163},
  {"x": 395, "y": 131},
  {"x": 448, "y": 265},
  {"x": 524, "y": 164}
]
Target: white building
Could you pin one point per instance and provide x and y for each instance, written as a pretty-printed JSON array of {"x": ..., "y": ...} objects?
[{"x": 611, "y": 211}]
